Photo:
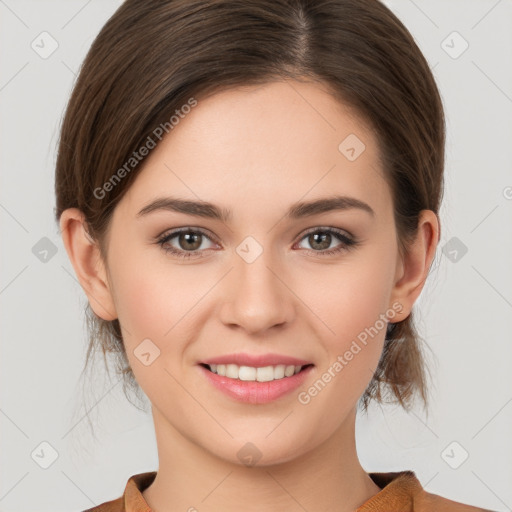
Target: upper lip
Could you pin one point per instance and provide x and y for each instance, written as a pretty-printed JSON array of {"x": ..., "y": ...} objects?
[{"x": 256, "y": 361}]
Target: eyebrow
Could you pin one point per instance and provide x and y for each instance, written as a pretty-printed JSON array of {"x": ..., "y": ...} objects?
[{"x": 296, "y": 210}]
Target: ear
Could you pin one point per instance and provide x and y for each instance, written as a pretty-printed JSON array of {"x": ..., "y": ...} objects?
[
  {"x": 412, "y": 270},
  {"x": 85, "y": 257}
]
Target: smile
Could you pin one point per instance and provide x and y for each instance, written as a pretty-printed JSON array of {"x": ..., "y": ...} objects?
[
  {"x": 251, "y": 373},
  {"x": 255, "y": 385}
]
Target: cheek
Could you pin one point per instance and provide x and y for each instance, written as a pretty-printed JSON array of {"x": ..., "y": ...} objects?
[
  {"x": 352, "y": 302},
  {"x": 148, "y": 299},
  {"x": 147, "y": 314},
  {"x": 352, "y": 305},
  {"x": 352, "y": 297},
  {"x": 143, "y": 300},
  {"x": 156, "y": 304}
]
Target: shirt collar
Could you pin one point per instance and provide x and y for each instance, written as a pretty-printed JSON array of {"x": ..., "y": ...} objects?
[
  {"x": 133, "y": 499},
  {"x": 397, "y": 489}
]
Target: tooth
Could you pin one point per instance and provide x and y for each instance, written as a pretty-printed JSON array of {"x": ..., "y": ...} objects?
[
  {"x": 232, "y": 371},
  {"x": 265, "y": 374},
  {"x": 289, "y": 371},
  {"x": 247, "y": 373},
  {"x": 279, "y": 371}
]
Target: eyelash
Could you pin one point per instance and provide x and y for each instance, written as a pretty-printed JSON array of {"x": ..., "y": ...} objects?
[{"x": 347, "y": 242}]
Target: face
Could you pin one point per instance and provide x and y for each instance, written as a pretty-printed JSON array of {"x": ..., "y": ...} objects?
[{"x": 315, "y": 284}]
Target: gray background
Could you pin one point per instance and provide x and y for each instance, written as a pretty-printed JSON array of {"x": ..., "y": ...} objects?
[{"x": 464, "y": 311}]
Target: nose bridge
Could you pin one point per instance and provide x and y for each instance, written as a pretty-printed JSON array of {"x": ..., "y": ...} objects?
[{"x": 257, "y": 299}]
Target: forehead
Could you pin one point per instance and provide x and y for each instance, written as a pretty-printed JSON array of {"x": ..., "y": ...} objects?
[{"x": 270, "y": 146}]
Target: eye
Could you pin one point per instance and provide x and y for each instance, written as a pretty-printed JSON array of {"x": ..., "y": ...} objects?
[
  {"x": 320, "y": 240},
  {"x": 189, "y": 241}
]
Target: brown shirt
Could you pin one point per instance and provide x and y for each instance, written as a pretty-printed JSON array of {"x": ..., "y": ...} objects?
[{"x": 400, "y": 492}]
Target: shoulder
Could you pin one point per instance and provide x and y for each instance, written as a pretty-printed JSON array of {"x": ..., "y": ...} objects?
[
  {"x": 132, "y": 498},
  {"x": 426, "y": 501},
  {"x": 402, "y": 491},
  {"x": 116, "y": 505}
]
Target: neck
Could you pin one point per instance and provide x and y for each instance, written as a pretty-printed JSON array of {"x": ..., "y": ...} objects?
[{"x": 328, "y": 478}]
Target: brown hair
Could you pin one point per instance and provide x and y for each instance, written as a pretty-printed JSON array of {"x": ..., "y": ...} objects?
[{"x": 153, "y": 56}]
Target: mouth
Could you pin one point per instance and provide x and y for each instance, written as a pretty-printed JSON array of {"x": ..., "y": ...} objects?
[
  {"x": 254, "y": 373},
  {"x": 256, "y": 384}
]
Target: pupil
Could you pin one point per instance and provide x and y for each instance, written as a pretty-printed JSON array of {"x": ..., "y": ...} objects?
[
  {"x": 188, "y": 238},
  {"x": 326, "y": 237}
]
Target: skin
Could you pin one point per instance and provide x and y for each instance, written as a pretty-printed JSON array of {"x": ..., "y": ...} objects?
[{"x": 256, "y": 151}]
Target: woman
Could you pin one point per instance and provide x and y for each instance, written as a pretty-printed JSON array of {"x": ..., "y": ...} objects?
[{"x": 249, "y": 195}]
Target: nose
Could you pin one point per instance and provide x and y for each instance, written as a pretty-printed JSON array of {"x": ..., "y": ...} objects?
[{"x": 256, "y": 296}]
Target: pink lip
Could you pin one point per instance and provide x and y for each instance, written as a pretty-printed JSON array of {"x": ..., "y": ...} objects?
[
  {"x": 255, "y": 392},
  {"x": 256, "y": 361}
]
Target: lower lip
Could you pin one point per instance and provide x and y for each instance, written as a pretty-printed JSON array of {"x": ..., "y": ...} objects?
[{"x": 253, "y": 392}]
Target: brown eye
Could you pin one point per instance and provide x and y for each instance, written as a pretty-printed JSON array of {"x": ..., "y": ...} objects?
[
  {"x": 188, "y": 243},
  {"x": 189, "y": 240},
  {"x": 320, "y": 240}
]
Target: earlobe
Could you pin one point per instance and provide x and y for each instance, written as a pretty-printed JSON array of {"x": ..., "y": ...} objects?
[
  {"x": 412, "y": 270},
  {"x": 85, "y": 257}
]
